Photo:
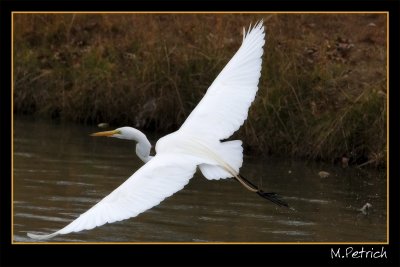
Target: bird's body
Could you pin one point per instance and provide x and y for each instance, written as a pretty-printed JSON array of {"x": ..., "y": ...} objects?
[{"x": 197, "y": 144}]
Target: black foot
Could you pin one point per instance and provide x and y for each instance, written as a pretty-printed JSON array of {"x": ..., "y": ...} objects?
[
  {"x": 271, "y": 196},
  {"x": 274, "y": 197}
]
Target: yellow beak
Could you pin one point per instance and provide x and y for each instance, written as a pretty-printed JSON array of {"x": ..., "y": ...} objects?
[{"x": 106, "y": 133}]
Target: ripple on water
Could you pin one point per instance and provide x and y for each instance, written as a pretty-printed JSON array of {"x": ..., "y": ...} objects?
[
  {"x": 38, "y": 181},
  {"x": 69, "y": 199},
  {"x": 41, "y": 217},
  {"x": 310, "y": 200},
  {"x": 250, "y": 205},
  {"x": 36, "y": 208},
  {"x": 39, "y": 171},
  {"x": 24, "y": 155},
  {"x": 102, "y": 167},
  {"x": 294, "y": 223},
  {"x": 211, "y": 219},
  {"x": 72, "y": 183},
  {"x": 179, "y": 207},
  {"x": 290, "y": 233}
]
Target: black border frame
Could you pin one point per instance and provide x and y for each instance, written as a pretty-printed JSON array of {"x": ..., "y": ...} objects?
[{"x": 193, "y": 255}]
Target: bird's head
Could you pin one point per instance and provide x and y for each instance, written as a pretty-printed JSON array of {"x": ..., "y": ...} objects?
[
  {"x": 143, "y": 145},
  {"x": 121, "y": 133}
]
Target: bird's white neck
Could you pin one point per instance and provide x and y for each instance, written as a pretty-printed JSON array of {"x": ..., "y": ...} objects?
[
  {"x": 143, "y": 145},
  {"x": 143, "y": 150}
]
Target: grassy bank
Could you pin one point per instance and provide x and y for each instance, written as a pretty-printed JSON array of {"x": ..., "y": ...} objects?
[{"x": 322, "y": 93}]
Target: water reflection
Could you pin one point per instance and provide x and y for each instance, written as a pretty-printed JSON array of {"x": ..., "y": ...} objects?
[{"x": 60, "y": 172}]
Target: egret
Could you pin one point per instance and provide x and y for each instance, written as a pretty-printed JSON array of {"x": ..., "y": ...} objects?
[{"x": 196, "y": 144}]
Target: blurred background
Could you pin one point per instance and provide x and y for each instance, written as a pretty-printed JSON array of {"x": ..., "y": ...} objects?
[{"x": 322, "y": 93}]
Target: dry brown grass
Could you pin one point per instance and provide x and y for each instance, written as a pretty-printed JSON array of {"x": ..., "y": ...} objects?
[{"x": 322, "y": 93}]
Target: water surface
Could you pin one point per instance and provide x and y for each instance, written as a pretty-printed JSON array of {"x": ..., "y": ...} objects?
[{"x": 60, "y": 172}]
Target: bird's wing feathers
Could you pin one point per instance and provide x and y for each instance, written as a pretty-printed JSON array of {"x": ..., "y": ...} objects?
[
  {"x": 161, "y": 177},
  {"x": 224, "y": 107}
]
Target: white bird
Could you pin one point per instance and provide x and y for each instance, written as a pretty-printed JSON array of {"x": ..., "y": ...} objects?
[{"x": 197, "y": 143}]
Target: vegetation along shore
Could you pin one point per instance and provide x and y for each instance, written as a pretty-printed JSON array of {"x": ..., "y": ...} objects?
[{"x": 322, "y": 93}]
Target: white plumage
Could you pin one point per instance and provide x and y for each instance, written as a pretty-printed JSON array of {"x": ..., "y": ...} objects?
[{"x": 224, "y": 107}]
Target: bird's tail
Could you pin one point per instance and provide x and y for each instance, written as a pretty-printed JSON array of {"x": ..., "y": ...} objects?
[{"x": 271, "y": 196}]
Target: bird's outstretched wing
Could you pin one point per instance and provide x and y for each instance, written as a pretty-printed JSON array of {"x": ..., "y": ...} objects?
[
  {"x": 224, "y": 107},
  {"x": 158, "y": 179}
]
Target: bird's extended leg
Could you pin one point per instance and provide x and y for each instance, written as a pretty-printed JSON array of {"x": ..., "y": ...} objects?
[{"x": 271, "y": 196}]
